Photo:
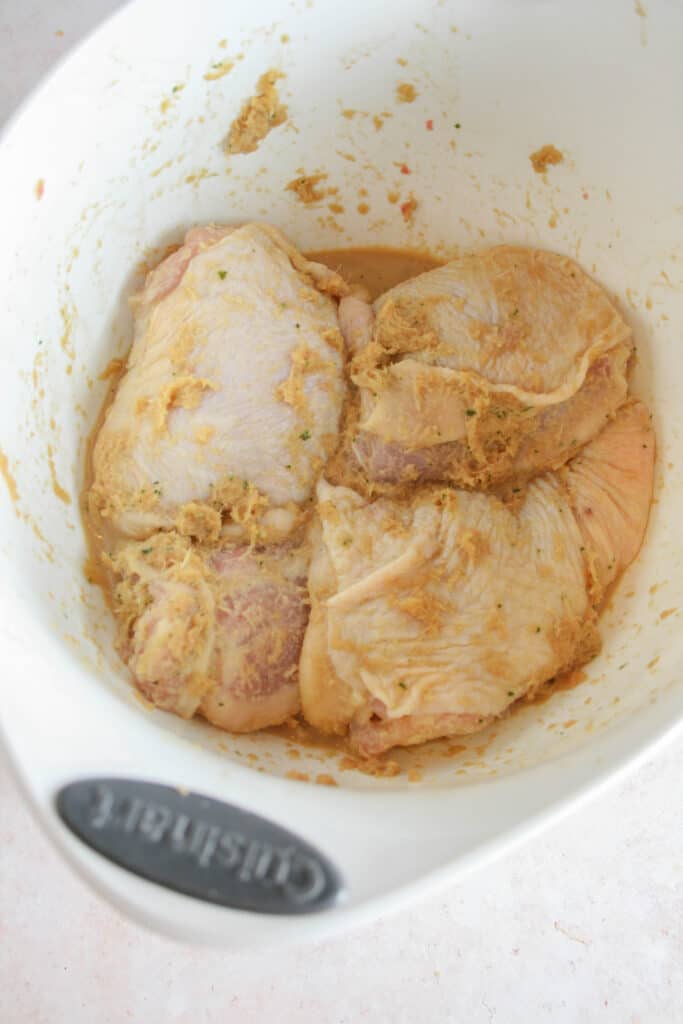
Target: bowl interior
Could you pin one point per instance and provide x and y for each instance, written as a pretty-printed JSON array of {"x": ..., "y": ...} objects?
[{"x": 120, "y": 152}]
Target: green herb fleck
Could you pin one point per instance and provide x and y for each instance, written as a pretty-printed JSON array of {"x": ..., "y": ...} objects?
[
  {"x": 538, "y": 629},
  {"x": 146, "y": 551},
  {"x": 297, "y": 326},
  {"x": 288, "y": 466},
  {"x": 402, "y": 684},
  {"x": 305, "y": 435},
  {"x": 515, "y": 311},
  {"x": 222, "y": 274},
  {"x": 511, "y": 693},
  {"x": 499, "y": 605},
  {"x": 457, "y": 124},
  {"x": 470, "y": 412},
  {"x": 245, "y": 485},
  {"x": 516, "y": 490}
]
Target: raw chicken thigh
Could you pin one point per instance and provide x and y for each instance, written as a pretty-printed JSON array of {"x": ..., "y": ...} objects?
[
  {"x": 216, "y": 633},
  {"x": 497, "y": 365},
  {"x": 432, "y": 613},
  {"x": 231, "y": 402},
  {"x": 216, "y": 436}
]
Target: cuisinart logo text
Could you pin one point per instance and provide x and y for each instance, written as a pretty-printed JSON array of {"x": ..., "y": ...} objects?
[
  {"x": 199, "y": 846},
  {"x": 210, "y": 846}
]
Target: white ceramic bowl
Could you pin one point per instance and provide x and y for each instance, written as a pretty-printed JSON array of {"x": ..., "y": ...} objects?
[{"x": 126, "y": 137}]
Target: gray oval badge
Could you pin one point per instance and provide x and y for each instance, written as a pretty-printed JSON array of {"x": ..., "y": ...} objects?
[{"x": 199, "y": 846}]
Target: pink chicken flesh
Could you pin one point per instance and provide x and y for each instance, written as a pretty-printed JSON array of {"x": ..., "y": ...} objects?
[{"x": 214, "y": 633}]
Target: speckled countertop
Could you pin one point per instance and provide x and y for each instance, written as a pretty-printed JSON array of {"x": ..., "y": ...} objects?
[{"x": 582, "y": 924}]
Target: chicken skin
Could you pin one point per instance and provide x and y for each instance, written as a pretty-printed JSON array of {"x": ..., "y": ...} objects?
[
  {"x": 231, "y": 402},
  {"x": 497, "y": 365},
  {"x": 213, "y": 632},
  {"x": 431, "y": 614}
]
